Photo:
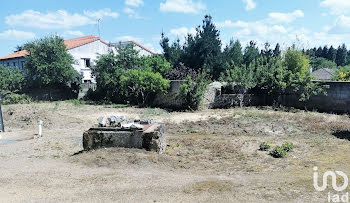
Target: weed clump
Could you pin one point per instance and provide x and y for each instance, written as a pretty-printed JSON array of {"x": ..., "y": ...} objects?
[
  {"x": 264, "y": 146},
  {"x": 288, "y": 146},
  {"x": 278, "y": 152}
]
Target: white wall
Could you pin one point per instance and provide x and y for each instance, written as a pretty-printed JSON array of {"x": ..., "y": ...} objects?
[
  {"x": 141, "y": 51},
  {"x": 91, "y": 51}
]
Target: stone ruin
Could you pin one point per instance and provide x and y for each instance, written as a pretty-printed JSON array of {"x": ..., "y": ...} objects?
[{"x": 117, "y": 131}]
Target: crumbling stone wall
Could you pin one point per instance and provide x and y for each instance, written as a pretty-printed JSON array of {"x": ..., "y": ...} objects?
[{"x": 140, "y": 135}]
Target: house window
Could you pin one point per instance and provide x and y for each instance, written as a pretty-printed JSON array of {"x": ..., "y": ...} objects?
[
  {"x": 14, "y": 64},
  {"x": 7, "y": 64},
  {"x": 22, "y": 63},
  {"x": 87, "y": 63}
]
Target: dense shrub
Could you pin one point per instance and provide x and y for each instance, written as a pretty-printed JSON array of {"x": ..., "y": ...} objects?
[
  {"x": 156, "y": 64},
  {"x": 127, "y": 77},
  {"x": 11, "y": 79},
  {"x": 13, "y": 98},
  {"x": 192, "y": 92},
  {"x": 138, "y": 85}
]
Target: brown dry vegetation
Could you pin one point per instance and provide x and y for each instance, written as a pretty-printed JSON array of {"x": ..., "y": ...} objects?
[{"x": 211, "y": 156}]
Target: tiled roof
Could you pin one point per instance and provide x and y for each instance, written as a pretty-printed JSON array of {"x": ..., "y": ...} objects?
[
  {"x": 16, "y": 55},
  {"x": 77, "y": 42},
  {"x": 70, "y": 44},
  {"x": 139, "y": 45},
  {"x": 324, "y": 74}
]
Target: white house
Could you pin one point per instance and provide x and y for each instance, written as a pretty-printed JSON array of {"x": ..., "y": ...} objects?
[{"x": 84, "y": 50}]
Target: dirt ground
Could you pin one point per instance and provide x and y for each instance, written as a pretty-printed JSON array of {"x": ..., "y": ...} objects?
[{"x": 212, "y": 156}]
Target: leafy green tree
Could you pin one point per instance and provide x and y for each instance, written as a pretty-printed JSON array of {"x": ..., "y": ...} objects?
[
  {"x": 127, "y": 57},
  {"x": 156, "y": 64},
  {"x": 288, "y": 76},
  {"x": 233, "y": 54},
  {"x": 107, "y": 72},
  {"x": 296, "y": 62},
  {"x": 341, "y": 55},
  {"x": 138, "y": 85},
  {"x": 49, "y": 64},
  {"x": 129, "y": 77},
  {"x": 318, "y": 63},
  {"x": 11, "y": 79},
  {"x": 109, "y": 69}
]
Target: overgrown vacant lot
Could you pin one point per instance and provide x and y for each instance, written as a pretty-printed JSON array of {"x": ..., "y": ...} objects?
[{"x": 212, "y": 155}]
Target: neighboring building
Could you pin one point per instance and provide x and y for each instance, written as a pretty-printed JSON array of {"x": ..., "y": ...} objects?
[
  {"x": 16, "y": 59},
  {"x": 324, "y": 74},
  {"x": 84, "y": 50},
  {"x": 143, "y": 51}
]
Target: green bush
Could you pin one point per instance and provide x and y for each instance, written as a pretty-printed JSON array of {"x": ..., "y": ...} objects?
[
  {"x": 139, "y": 85},
  {"x": 192, "y": 92},
  {"x": 278, "y": 152},
  {"x": 288, "y": 146},
  {"x": 16, "y": 99},
  {"x": 11, "y": 79},
  {"x": 264, "y": 146}
]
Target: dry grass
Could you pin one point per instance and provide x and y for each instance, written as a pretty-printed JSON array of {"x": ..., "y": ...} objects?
[{"x": 214, "y": 157}]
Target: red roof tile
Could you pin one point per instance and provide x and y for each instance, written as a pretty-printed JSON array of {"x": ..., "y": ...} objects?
[
  {"x": 70, "y": 44},
  {"x": 16, "y": 55},
  {"x": 77, "y": 42}
]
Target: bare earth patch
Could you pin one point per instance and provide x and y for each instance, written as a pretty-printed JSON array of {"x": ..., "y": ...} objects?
[{"x": 212, "y": 155}]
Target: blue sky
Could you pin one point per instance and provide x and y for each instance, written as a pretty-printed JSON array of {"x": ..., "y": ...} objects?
[{"x": 307, "y": 23}]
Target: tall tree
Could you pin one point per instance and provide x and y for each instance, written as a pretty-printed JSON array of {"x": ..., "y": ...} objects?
[
  {"x": 340, "y": 59},
  {"x": 325, "y": 52},
  {"x": 319, "y": 52},
  {"x": 277, "y": 50},
  {"x": 233, "y": 53},
  {"x": 251, "y": 53},
  {"x": 203, "y": 50},
  {"x": 267, "y": 51},
  {"x": 332, "y": 53},
  {"x": 49, "y": 64},
  {"x": 172, "y": 53}
]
